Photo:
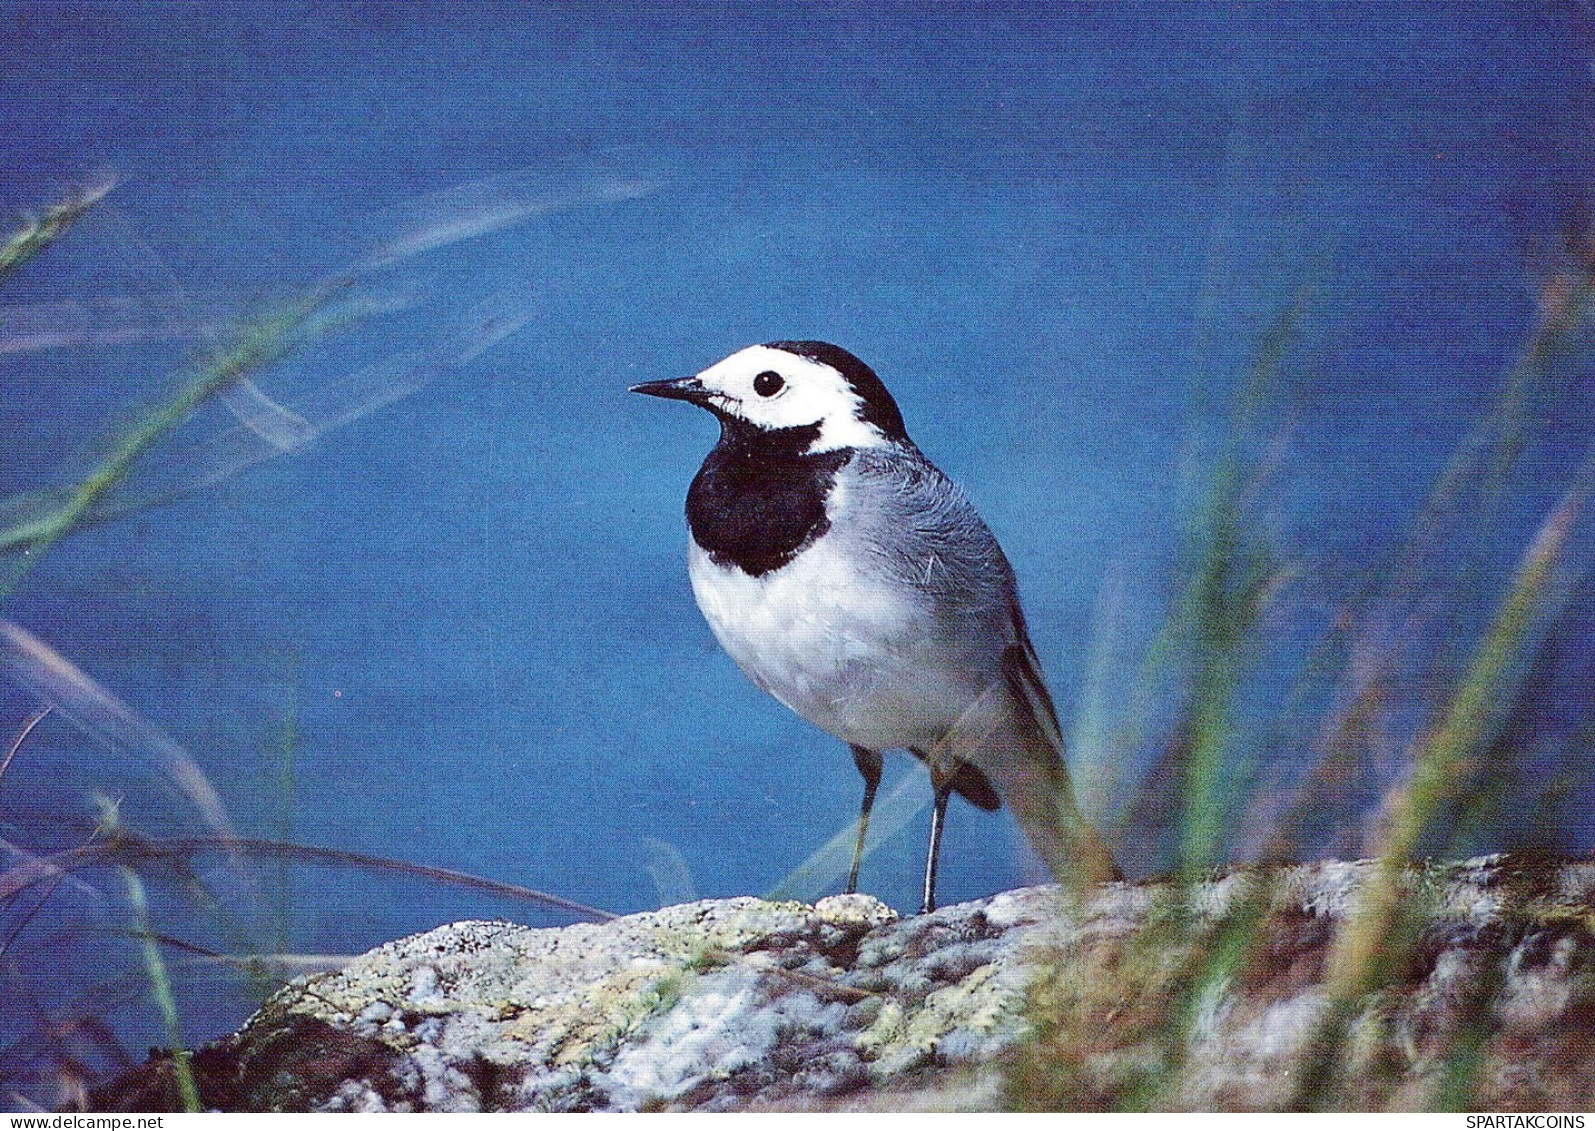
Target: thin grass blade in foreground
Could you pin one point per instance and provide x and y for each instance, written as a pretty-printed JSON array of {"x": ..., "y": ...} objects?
[
  {"x": 260, "y": 343},
  {"x": 160, "y": 984},
  {"x": 15, "y": 855},
  {"x": 1220, "y": 612},
  {"x": 477, "y": 208},
  {"x": 269, "y": 429},
  {"x": 161, "y": 990},
  {"x": 33, "y": 720},
  {"x": 828, "y": 863},
  {"x": 54, "y": 679},
  {"x": 205, "y": 957},
  {"x": 128, "y": 849},
  {"x": 36, "y": 235},
  {"x": 1485, "y": 457}
]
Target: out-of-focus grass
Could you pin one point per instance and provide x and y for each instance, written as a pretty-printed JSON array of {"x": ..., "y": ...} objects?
[
  {"x": 1232, "y": 580},
  {"x": 1115, "y": 1023},
  {"x": 155, "y": 969},
  {"x": 1361, "y": 958},
  {"x": 57, "y": 1048},
  {"x": 256, "y": 345},
  {"x": 36, "y": 234},
  {"x": 30, "y": 1064},
  {"x": 57, "y": 1058}
]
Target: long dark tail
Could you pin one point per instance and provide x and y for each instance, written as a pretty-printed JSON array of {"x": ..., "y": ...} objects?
[{"x": 1012, "y": 735}]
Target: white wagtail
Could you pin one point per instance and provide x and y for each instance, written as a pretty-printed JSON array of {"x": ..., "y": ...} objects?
[{"x": 854, "y": 582}]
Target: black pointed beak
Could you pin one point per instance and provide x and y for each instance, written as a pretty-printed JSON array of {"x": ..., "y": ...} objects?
[{"x": 681, "y": 389}]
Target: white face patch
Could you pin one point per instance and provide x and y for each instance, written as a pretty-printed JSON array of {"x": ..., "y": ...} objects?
[{"x": 808, "y": 392}]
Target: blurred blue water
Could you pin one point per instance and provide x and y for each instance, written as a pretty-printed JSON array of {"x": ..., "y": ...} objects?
[{"x": 1058, "y": 233}]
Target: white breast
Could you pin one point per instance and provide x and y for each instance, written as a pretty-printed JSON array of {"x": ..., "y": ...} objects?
[{"x": 834, "y": 644}]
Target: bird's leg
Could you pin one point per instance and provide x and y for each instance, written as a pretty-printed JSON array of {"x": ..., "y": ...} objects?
[
  {"x": 943, "y": 785},
  {"x": 869, "y": 765}
]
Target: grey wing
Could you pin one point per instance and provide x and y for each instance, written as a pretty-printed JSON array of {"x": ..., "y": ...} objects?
[
  {"x": 923, "y": 531},
  {"x": 1008, "y": 739},
  {"x": 928, "y": 536},
  {"x": 950, "y": 555}
]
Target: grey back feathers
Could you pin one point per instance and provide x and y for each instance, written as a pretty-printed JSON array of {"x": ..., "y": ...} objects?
[
  {"x": 925, "y": 533},
  {"x": 922, "y": 530}
]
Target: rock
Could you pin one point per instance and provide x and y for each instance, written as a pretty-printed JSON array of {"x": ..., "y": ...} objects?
[{"x": 1132, "y": 997}]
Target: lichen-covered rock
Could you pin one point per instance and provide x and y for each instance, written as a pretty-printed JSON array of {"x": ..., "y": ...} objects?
[{"x": 1024, "y": 999}]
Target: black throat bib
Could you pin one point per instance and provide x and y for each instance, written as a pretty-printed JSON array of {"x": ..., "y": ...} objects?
[{"x": 759, "y": 499}]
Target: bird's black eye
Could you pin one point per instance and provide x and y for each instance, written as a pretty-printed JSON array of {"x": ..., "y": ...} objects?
[{"x": 768, "y": 383}]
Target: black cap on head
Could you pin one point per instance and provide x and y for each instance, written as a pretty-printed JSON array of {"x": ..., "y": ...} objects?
[{"x": 879, "y": 408}]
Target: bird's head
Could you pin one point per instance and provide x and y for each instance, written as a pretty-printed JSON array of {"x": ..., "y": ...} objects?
[{"x": 782, "y": 386}]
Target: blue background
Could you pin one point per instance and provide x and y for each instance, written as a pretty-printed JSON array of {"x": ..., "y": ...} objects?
[{"x": 1057, "y": 232}]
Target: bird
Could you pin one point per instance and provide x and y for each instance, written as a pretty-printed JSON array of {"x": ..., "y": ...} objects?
[{"x": 856, "y": 584}]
